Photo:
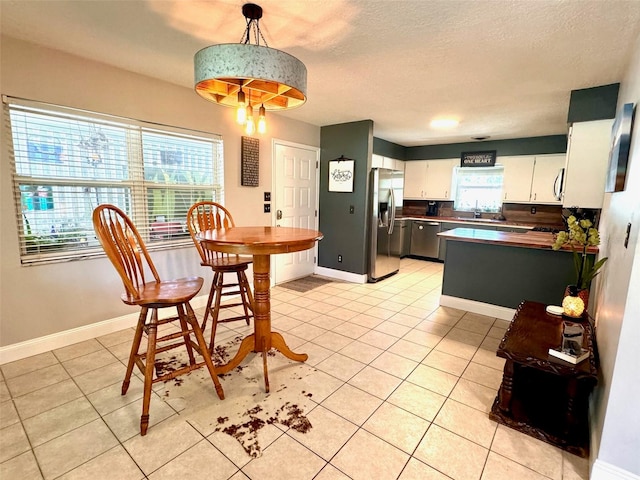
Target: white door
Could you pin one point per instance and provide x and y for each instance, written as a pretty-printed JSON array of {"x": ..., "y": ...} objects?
[{"x": 295, "y": 204}]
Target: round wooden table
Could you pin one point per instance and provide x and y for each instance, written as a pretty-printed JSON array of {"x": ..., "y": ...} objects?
[{"x": 261, "y": 242}]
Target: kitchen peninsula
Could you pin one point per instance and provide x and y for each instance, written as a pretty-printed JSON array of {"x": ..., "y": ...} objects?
[{"x": 495, "y": 271}]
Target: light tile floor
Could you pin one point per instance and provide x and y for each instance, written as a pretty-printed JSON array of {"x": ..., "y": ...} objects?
[{"x": 401, "y": 390}]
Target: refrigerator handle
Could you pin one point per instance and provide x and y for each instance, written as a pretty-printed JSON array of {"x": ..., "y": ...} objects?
[{"x": 392, "y": 207}]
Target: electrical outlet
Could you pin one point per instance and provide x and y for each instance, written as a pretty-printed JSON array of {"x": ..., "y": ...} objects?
[
  {"x": 267, "y": 208},
  {"x": 533, "y": 210},
  {"x": 352, "y": 209},
  {"x": 339, "y": 258}
]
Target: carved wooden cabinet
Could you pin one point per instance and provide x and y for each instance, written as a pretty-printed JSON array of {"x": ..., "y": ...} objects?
[{"x": 540, "y": 395}]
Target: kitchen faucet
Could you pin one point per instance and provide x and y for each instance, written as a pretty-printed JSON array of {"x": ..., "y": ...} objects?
[{"x": 476, "y": 212}]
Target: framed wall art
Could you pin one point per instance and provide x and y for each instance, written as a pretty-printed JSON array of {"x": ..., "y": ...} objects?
[
  {"x": 619, "y": 154},
  {"x": 341, "y": 175}
]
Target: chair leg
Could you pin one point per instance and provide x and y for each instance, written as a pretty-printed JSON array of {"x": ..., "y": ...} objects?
[
  {"x": 191, "y": 317},
  {"x": 215, "y": 311},
  {"x": 152, "y": 330},
  {"x": 135, "y": 346},
  {"x": 212, "y": 291},
  {"x": 244, "y": 294},
  {"x": 185, "y": 334}
]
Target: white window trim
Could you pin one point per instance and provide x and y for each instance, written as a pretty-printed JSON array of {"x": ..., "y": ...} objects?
[{"x": 136, "y": 183}]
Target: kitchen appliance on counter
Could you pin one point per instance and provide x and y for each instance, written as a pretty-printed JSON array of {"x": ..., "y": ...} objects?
[
  {"x": 432, "y": 209},
  {"x": 385, "y": 200},
  {"x": 424, "y": 239}
]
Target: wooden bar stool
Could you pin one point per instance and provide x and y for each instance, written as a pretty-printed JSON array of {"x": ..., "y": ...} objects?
[
  {"x": 209, "y": 215},
  {"x": 126, "y": 250}
]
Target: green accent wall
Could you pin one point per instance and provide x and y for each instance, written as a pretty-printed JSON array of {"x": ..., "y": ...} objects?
[
  {"x": 345, "y": 233},
  {"x": 597, "y": 103},
  {"x": 389, "y": 149},
  {"x": 516, "y": 146}
]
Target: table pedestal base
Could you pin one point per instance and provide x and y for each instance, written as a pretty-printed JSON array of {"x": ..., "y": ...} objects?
[
  {"x": 248, "y": 345},
  {"x": 263, "y": 339}
]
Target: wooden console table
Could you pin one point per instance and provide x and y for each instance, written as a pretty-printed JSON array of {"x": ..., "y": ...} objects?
[{"x": 540, "y": 395}]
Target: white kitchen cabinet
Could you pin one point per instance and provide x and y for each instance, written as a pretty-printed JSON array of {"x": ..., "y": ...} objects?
[
  {"x": 587, "y": 164},
  {"x": 379, "y": 161},
  {"x": 545, "y": 186},
  {"x": 415, "y": 179},
  {"x": 440, "y": 178},
  {"x": 517, "y": 178}
]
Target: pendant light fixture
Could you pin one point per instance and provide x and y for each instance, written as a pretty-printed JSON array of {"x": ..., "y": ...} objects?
[{"x": 244, "y": 75}]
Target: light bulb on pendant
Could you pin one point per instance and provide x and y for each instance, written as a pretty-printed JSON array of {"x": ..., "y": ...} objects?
[
  {"x": 241, "y": 112},
  {"x": 262, "y": 121},
  {"x": 250, "y": 126}
]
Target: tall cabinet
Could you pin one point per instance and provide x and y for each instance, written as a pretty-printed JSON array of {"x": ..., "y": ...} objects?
[{"x": 587, "y": 163}]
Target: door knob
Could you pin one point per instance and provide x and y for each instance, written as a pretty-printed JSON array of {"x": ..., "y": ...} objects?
[{"x": 278, "y": 214}]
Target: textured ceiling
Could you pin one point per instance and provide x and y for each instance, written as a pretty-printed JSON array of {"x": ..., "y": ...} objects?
[{"x": 505, "y": 69}]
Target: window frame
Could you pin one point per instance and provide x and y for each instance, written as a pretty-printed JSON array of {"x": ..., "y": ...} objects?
[
  {"x": 201, "y": 177},
  {"x": 480, "y": 171}
]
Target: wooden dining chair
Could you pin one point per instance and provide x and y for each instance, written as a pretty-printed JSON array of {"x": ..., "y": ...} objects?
[
  {"x": 209, "y": 215},
  {"x": 126, "y": 250}
]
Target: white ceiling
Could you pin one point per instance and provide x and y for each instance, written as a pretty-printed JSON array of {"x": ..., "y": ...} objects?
[{"x": 504, "y": 68}]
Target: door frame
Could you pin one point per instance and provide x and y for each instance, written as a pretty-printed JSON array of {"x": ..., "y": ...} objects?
[{"x": 274, "y": 184}]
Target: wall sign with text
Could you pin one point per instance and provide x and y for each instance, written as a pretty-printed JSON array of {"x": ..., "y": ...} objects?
[{"x": 478, "y": 159}]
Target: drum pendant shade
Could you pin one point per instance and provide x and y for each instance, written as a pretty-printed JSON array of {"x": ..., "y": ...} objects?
[{"x": 241, "y": 74}]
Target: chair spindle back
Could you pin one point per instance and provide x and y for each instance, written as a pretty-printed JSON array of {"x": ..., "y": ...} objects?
[
  {"x": 208, "y": 215},
  {"x": 124, "y": 247}
]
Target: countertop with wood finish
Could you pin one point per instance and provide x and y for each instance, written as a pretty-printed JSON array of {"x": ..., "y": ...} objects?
[
  {"x": 469, "y": 221},
  {"x": 538, "y": 240}
]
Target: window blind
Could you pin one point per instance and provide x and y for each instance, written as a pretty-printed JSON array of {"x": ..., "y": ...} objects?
[{"x": 66, "y": 162}]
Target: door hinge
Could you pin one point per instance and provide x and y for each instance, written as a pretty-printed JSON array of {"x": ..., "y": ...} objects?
[
  {"x": 314, "y": 259},
  {"x": 316, "y": 164},
  {"x": 315, "y": 213}
]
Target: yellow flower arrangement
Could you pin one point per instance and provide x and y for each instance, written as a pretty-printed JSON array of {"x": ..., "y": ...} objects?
[{"x": 580, "y": 235}]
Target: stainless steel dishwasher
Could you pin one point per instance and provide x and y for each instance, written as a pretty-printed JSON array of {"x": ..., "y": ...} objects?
[{"x": 424, "y": 239}]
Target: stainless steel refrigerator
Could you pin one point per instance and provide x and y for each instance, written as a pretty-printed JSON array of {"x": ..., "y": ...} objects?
[{"x": 385, "y": 200}]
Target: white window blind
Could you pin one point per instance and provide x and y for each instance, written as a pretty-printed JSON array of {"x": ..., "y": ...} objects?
[
  {"x": 479, "y": 188},
  {"x": 66, "y": 162}
]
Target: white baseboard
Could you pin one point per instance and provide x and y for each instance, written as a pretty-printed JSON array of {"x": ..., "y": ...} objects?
[
  {"x": 18, "y": 351},
  {"x": 340, "y": 275},
  {"x": 480, "y": 308},
  {"x": 602, "y": 470}
]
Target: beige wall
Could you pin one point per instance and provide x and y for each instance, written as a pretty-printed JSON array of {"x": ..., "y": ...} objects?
[
  {"x": 615, "y": 437},
  {"x": 41, "y": 300}
]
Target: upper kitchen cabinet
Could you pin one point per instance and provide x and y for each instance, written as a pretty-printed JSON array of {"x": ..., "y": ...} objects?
[
  {"x": 547, "y": 179},
  {"x": 378, "y": 161},
  {"x": 517, "y": 178},
  {"x": 587, "y": 164},
  {"x": 439, "y": 178},
  {"x": 415, "y": 179}
]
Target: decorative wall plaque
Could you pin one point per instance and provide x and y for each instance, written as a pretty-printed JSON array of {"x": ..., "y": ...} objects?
[
  {"x": 478, "y": 159},
  {"x": 250, "y": 162}
]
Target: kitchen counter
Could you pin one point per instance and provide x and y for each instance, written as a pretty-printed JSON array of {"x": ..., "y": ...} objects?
[
  {"x": 539, "y": 240},
  {"x": 489, "y": 272},
  {"x": 473, "y": 221}
]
